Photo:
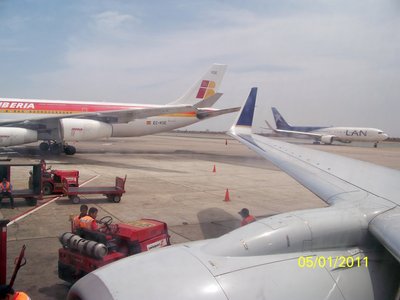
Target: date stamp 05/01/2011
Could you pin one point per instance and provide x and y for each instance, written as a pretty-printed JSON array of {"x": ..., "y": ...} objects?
[{"x": 313, "y": 262}]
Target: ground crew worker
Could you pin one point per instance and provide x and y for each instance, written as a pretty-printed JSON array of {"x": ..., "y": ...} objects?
[
  {"x": 20, "y": 296},
  {"x": 76, "y": 220},
  {"x": 6, "y": 191},
  {"x": 7, "y": 293},
  {"x": 89, "y": 222},
  {"x": 246, "y": 217}
]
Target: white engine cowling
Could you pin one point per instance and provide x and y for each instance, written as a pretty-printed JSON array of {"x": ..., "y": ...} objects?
[
  {"x": 327, "y": 139},
  {"x": 74, "y": 130},
  {"x": 12, "y": 136}
]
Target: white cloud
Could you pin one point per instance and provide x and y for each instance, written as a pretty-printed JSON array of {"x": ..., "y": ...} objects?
[{"x": 113, "y": 23}]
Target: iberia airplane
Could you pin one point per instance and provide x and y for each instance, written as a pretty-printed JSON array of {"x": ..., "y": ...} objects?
[{"x": 57, "y": 122}]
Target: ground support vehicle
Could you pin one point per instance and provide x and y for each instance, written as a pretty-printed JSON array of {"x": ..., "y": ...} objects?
[
  {"x": 33, "y": 192},
  {"x": 113, "y": 193},
  {"x": 53, "y": 180},
  {"x": 84, "y": 251}
]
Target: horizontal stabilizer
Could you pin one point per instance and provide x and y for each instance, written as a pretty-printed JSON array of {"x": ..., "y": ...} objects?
[{"x": 204, "y": 114}]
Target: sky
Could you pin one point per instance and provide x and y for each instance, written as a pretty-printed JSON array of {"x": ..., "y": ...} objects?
[{"x": 319, "y": 62}]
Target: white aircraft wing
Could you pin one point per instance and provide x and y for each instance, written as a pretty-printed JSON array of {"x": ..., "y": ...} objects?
[{"x": 335, "y": 179}]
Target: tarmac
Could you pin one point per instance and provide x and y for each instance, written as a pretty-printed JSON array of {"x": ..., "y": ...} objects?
[{"x": 170, "y": 177}]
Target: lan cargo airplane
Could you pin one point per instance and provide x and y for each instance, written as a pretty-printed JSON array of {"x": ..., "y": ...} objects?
[
  {"x": 348, "y": 250},
  {"x": 327, "y": 135},
  {"x": 58, "y": 122}
]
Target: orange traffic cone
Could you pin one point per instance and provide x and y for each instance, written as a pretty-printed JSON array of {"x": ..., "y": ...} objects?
[
  {"x": 227, "y": 198},
  {"x": 214, "y": 169}
]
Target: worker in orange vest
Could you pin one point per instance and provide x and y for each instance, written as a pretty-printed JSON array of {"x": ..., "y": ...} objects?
[
  {"x": 246, "y": 217},
  {"x": 20, "y": 296},
  {"x": 76, "y": 220},
  {"x": 89, "y": 222},
  {"x": 6, "y": 191},
  {"x": 7, "y": 293}
]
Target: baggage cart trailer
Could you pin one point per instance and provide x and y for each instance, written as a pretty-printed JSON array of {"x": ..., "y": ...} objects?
[{"x": 113, "y": 193}]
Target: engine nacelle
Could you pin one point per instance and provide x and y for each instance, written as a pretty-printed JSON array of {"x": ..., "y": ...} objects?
[
  {"x": 327, "y": 139},
  {"x": 11, "y": 136},
  {"x": 74, "y": 130},
  {"x": 306, "y": 230}
]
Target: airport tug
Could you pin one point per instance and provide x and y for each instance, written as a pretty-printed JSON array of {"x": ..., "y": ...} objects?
[{"x": 84, "y": 251}]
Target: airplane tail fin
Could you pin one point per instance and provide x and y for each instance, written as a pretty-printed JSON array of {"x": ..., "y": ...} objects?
[
  {"x": 205, "y": 87},
  {"x": 280, "y": 121},
  {"x": 245, "y": 119}
]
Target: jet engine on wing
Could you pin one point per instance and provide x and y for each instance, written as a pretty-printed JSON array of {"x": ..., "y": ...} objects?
[
  {"x": 74, "y": 130},
  {"x": 11, "y": 136},
  {"x": 327, "y": 139},
  {"x": 293, "y": 232}
]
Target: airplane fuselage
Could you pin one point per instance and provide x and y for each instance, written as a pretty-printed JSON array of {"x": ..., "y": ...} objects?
[
  {"x": 20, "y": 110},
  {"x": 327, "y": 134},
  {"x": 58, "y": 122},
  {"x": 349, "y": 134}
]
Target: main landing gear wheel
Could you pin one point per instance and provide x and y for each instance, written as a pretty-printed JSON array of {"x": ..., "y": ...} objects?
[
  {"x": 55, "y": 148},
  {"x": 44, "y": 146},
  {"x": 69, "y": 150}
]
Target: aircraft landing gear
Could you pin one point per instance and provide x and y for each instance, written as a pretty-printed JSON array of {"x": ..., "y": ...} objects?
[
  {"x": 376, "y": 145},
  {"x": 44, "y": 146},
  {"x": 57, "y": 148},
  {"x": 69, "y": 150}
]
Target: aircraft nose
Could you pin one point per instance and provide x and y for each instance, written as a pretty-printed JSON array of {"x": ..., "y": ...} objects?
[
  {"x": 173, "y": 273},
  {"x": 385, "y": 136}
]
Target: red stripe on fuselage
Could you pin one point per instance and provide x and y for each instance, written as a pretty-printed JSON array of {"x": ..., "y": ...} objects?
[
  {"x": 60, "y": 107},
  {"x": 70, "y": 107}
]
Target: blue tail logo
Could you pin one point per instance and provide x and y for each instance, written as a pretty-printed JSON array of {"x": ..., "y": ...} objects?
[
  {"x": 246, "y": 116},
  {"x": 280, "y": 121}
]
